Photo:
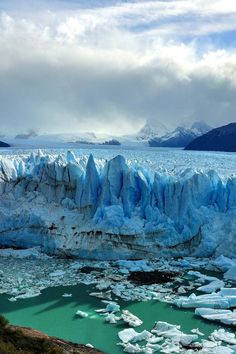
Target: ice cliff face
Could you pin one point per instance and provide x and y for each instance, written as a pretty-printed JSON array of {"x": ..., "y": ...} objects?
[{"x": 76, "y": 207}]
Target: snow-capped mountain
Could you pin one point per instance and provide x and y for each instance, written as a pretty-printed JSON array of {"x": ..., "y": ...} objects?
[
  {"x": 148, "y": 132},
  {"x": 181, "y": 136},
  {"x": 59, "y": 140},
  {"x": 152, "y": 135}
]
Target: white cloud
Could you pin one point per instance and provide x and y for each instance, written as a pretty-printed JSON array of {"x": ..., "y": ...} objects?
[{"x": 106, "y": 69}]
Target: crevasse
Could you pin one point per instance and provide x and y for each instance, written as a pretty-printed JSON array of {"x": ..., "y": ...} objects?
[{"x": 77, "y": 207}]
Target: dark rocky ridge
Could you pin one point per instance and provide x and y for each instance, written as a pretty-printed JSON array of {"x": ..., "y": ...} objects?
[
  {"x": 219, "y": 139},
  {"x": 181, "y": 136},
  {"x": 25, "y": 340},
  {"x": 2, "y": 144}
]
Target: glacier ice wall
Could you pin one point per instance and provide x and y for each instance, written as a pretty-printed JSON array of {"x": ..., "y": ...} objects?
[{"x": 79, "y": 207}]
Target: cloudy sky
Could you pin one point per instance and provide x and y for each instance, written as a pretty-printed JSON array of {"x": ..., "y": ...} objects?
[{"x": 108, "y": 66}]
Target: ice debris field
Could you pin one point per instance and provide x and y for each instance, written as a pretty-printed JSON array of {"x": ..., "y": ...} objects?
[
  {"x": 83, "y": 206},
  {"x": 112, "y": 284}
]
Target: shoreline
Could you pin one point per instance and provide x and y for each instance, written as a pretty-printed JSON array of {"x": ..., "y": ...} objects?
[{"x": 69, "y": 347}]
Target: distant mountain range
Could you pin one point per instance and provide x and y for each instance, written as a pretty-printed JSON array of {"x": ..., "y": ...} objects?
[
  {"x": 219, "y": 139},
  {"x": 148, "y": 132},
  {"x": 181, "y": 136},
  {"x": 157, "y": 135}
]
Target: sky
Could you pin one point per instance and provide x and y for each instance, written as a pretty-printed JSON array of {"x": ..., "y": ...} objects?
[{"x": 109, "y": 66}]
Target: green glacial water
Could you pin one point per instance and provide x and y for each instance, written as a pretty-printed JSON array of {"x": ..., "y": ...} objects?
[{"x": 55, "y": 315}]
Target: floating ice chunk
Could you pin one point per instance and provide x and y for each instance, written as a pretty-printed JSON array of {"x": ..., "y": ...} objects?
[
  {"x": 132, "y": 348},
  {"x": 103, "y": 284},
  {"x": 81, "y": 314},
  {"x": 57, "y": 273},
  {"x": 224, "y": 299},
  {"x": 170, "y": 348},
  {"x": 154, "y": 339},
  {"x": 196, "y": 331},
  {"x": 228, "y": 292},
  {"x": 111, "y": 306},
  {"x": 102, "y": 295},
  {"x": 161, "y": 327},
  {"x": 220, "y": 350},
  {"x": 112, "y": 318},
  {"x": 208, "y": 344},
  {"x": 131, "y": 319},
  {"x": 181, "y": 290},
  {"x": 134, "y": 266},
  {"x": 185, "y": 339},
  {"x": 127, "y": 335},
  {"x": 144, "y": 335},
  {"x": 168, "y": 330},
  {"x": 67, "y": 295},
  {"x": 224, "y": 316},
  {"x": 231, "y": 274},
  {"x": 151, "y": 348},
  {"x": 224, "y": 336},
  {"x": 28, "y": 294},
  {"x": 201, "y": 276},
  {"x": 211, "y": 287},
  {"x": 224, "y": 263},
  {"x": 89, "y": 345}
]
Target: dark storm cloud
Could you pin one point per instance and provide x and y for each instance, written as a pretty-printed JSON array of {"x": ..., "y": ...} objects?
[{"x": 63, "y": 71}]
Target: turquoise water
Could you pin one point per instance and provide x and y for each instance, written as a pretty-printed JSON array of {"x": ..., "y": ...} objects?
[{"x": 55, "y": 315}]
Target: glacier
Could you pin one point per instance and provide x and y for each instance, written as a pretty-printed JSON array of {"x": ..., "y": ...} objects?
[{"x": 86, "y": 207}]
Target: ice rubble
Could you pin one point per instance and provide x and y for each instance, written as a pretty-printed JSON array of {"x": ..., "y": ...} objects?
[
  {"x": 231, "y": 273},
  {"x": 168, "y": 338},
  {"x": 95, "y": 209},
  {"x": 112, "y": 282},
  {"x": 34, "y": 253},
  {"x": 224, "y": 316},
  {"x": 224, "y": 299}
]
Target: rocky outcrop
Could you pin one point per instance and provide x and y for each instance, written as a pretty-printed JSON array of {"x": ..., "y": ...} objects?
[
  {"x": 219, "y": 139},
  {"x": 3, "y": 144}
]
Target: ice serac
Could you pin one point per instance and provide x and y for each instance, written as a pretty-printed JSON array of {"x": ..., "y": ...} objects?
[{"x": 82, "y": 207}]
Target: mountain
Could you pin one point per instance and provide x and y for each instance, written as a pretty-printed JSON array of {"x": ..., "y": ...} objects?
[
  {"x": 2, "y": 144},
  {"x": 148, "y": 132},
  {"x": 181, "y": 136},
  {"x": 154, "y": 135},
  {"x": 219, "y": 139},
  {"x": 28, "y": 135}
]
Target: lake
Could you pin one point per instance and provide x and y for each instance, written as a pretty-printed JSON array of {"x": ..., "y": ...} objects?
[{"x": 55, "y": 315}]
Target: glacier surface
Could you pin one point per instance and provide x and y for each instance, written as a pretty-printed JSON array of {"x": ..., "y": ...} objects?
[{"x": 88, "y": 207}]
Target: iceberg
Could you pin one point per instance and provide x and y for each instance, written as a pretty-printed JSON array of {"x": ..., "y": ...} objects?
[
  {"x": 224, "y": 299},
  {"x": 81, "y": 314},
  {"x": 224, "y": 336},
  {"x": 127, "y": 335},
  {"x": 226, "y": 317},
  {"x": 131, "y": 319},
  {"x": 211, "y": 287},
  {"x": 97, "y": 209},
  {"x": 167, "y": 330},
  {"x": 231, "y": 274}
]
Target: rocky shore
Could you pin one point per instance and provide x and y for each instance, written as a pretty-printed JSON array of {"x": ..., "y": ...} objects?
[{"x": 25, "y": 340}]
